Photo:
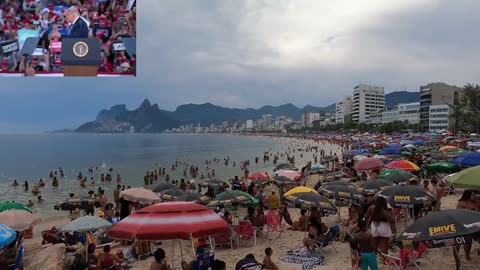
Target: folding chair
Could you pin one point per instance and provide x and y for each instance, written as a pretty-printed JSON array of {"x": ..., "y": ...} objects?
[
  {"x": 245, "y": 231},
  {"x": 419, "y": 253},
  {"x": 227, "y": 239},
  {"x": 274, "y": 222},
  {"x": 329, "y": 239}
]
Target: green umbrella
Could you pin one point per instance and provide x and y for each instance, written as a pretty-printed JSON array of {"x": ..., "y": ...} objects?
[
  {"x": 4, "y": 206},
  {"x": 406, "y": 153},
  {"x": 468, "y": 178},
  {"x": 443, "y": 167},
  {"x": 386, "y": 173},
  {"x": 232, "y": 198}
]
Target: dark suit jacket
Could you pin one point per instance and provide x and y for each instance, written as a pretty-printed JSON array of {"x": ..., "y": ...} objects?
[{"x": 78, "y": 30}]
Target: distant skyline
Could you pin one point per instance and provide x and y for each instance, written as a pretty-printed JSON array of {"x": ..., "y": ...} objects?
[{"x": 252, "y": 53}]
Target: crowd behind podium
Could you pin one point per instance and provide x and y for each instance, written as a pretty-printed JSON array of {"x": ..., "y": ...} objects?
[{"x": 109, "y": 21}]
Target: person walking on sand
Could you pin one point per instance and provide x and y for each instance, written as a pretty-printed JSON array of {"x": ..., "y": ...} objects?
[{"x": 365, "y": 247}]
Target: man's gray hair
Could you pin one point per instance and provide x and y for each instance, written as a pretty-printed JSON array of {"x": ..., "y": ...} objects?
[{"x": 73, "y": 9}]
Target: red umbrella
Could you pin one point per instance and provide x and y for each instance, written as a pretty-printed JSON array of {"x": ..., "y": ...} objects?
[
  {"x": 169, "y": 220},
  {"x": 258, "y": 175},
  {"x": 404, "y": 165},
  {"x": 368, "y": 164}
]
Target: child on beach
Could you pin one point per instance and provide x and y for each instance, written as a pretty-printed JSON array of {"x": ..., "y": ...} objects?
[
  {"x": 267, "y": 261},
  {"x": 365, "y": 247},
  {"x": 355, "y": 254}
]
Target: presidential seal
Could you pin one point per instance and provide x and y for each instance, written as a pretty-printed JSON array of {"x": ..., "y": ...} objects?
[{"x": 80, "y": 49}]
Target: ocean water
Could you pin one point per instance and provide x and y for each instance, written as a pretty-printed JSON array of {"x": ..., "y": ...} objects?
[{"x": 31, "y": 157}]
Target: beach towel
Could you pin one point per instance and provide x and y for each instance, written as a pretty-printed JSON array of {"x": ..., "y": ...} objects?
[{"x": 307, "y": 259}]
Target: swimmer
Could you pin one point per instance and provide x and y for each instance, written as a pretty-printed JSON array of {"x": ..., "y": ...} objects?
[
  {"x": 41, "y": 183},
  {"x": 25, "y": 185},
  {"x": 30, "y": 203},
  {"x": 35, "y": 190},
  {"x": 15, "y": 183},
  {"x": 40, "y": 199},
  {"x": 55, "y": 182}
]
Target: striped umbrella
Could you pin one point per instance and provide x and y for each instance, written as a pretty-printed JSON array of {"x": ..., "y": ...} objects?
[
  {"x": 258, "y": 175},
  {"x": 288, "y": 173},
  {"x": 368, "y": 164},
  {"x": 404, "y": 165},
  {"x": 169, "y": 220}
]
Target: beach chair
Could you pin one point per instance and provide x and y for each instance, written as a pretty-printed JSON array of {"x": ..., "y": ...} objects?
[
  {"x": 19, "y": 259},
  {"x": 143, "y": 249},
  {"x": 230, "y": 238},
  {"x": 245, "y": 231},
  {"x": 274, "y": 222},
  {"x": 419, "y": 253},
  {"x": 399, "y": 262},
  {"x": 330, "y": 236}
]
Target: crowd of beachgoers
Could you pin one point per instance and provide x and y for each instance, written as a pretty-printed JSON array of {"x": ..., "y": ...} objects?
[{"x": 386, "y": 200}]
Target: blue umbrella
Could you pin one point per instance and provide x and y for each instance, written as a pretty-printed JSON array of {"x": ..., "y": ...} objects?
[
  {"x": 7, "y": 235},
  {"x": 468, "y": 160},
  {"x": 419, "y": 142},
  {"x": 389, "y": 151},
  {"x": 394, "y": 145},
  {"x": 316, "y": 167}
]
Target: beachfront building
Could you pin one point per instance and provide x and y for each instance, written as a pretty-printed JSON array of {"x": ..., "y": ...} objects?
[
  {"x": 267, "y": 120},
  {"x": 342, "y": 109},
  {"x": 438, "y": 117},
  {"x": 366, "y": 100},
  {"x": 390, "y": 115},
  {"x": 249, "y": 125},
  {"x": 308, "y": 118},
  {"x": 375, "y": 117},
  {"x": 437, "y": 94},
  {"x": 409, "y": 112}
]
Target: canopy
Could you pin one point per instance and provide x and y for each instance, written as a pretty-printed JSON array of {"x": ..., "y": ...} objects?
[
  {"x": 139, "y": 194},
  {"x": 442, "y": 228},
  {"x": 86, "y": 224},
  {"x": 4, "y": 206},
  {"x": 404, "y": 165},
  {"x": 468, "y": 178},
  {"x": 368, "y": 164},
  {"x": 18, "y": 220},
  {"x": 407, "y": 195},
  {"x": 169, "y": 220},
  {"x": 299, "y": 189}
]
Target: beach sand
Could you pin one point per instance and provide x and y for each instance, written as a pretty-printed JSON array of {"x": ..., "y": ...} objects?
[{"x": 289, "y": 240}]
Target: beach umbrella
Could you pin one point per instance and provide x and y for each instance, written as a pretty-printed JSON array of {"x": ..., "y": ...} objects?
[
  {"x": 141, "y": 195},
  {"x": 468, "y": 160},
  {"x": 285, "y": 166},
  {"x": 409, "y": 146},
  {"x": 231, "y": 198},
  {"x": 372, "y": 187},
  {"x": 401, "y": 177},
  {"x": 307, "y": 200},
  {"x": 448, "y": 148},
  {"x": 329, "y": 177},
  {"x": 419, "y": 142},
  {"x": 386, "y": 173},
  {"x": 403, "y": 164},
  {"x": 340, "y": 192},
  {"x": 170, "y": 194},
  {"x": 337, "y": 183},
  {"x": 406, "y": 154},
  {"x": 448, "y": 227},
  {"x": 169, "y": 220},
  {"x": 389, "y": 151},
  {"x": 288, "y": 173},
  {"x": 299, "y": 190},
  {"x": 193, "y": 197},
  {"x": 212, "y": 183},
  {"x": 261, "y": 182},
  {"x": 359, "y": 157},
  {"x": 7, "y": 235},
  {"x": 407, "y": 195},
  {"x": 258, "y": 175},
  {"x": 442, "y": 167},
  {"x": 86, "y": 224},
  {"x": 78, "y": 202},
  {"x": 18, "y": 220},
  {"x": 368, "y": 164},
  {"x": 282, "y": 180},
  {"x": 4, "y": 206},
  {"x": 468, "y": 178},
  {"x": 163, "y": 186}
]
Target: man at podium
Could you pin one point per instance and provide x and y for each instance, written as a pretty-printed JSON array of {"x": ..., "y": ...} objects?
[{"x": 78, "y": 27}]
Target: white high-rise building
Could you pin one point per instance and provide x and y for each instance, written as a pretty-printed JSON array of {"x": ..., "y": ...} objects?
[
  {"x": 367, "y": 99},
  {"x": 342, "y": 109},
  {"x": 409, "y": 112},
  {"x": 308, "y": 118},
  {"x": 249, "y": 124},
  {"x": 438, "y": 117}
]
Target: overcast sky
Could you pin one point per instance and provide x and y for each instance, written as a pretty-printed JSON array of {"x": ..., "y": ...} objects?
[{"x": 256, "y": 52}]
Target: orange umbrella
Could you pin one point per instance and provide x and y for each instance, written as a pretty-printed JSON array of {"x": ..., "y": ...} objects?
[
  {"x": 404, "y": 165},
  {"x": 448, "y": 148}
]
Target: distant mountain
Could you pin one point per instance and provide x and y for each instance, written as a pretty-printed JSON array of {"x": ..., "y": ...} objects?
[
  {"x": 146, "y": 118},
  {"x": 392, "y": 99},
  {"x": 150, "y": 118}
]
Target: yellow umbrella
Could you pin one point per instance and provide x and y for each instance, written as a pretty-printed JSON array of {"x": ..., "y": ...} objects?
[{"x": 298, "y": 190}]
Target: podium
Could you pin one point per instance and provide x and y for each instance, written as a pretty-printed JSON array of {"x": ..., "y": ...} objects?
[{"x": 80, "y": 57}]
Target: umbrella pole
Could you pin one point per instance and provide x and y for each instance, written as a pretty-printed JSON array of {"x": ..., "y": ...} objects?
[
  {"x": 181, "y": 251},
  {"x": 173, "y": 253},
  {"x": 306, "y": 227}
]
